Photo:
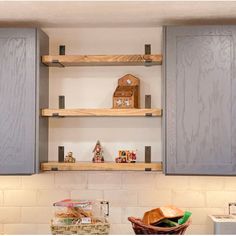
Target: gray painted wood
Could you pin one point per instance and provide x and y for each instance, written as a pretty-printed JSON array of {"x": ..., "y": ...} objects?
[
  {"x": 200, "y": 90},
  {"x": 19, "y": 96},
  {"x": 42, "y": 99}
]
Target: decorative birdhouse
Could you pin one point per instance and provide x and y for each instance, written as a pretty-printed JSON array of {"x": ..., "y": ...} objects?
[
  {"x": 98, "y": 157},
  {"x": 127, "y": 92}
]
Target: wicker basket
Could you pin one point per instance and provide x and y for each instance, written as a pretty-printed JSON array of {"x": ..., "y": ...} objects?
[
  {"x": 98, "y": 228},
  {"x": 140, "y": 228}
]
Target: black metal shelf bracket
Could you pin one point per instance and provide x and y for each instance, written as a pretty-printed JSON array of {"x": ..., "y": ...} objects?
[
  {"x": 61, "y": 153},
  {"x": 147, "y": 154},
  {"x": 55, "y": 114},
  {"x": 61, "y": 105},
  {"x": 148, "y": 114},
  {"x": 58, "y": 63},
  {"x": 148, "y": 101},
  {"x": 54, "y": 169},
  {"x": 62, "y": 50},
  {"x": 61, "y": 102},
  {"x": 148, "y": 62},
  {"x": 148, "y": 169}
]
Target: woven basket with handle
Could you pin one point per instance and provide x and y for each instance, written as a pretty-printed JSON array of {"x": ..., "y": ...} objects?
[
  {"x": 98, "y": 229},
  {"x": 140, "y": 228}
]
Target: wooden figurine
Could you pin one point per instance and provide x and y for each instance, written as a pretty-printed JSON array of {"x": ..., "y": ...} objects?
[
  {"x": 69, "y": 158},
  {"x": 98, "y": 157},
  {"x": 127, "y": 92}
]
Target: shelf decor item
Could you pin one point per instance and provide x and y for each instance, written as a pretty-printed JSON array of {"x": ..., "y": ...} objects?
[
  {"x": 126, "y": 156},
  {"x": 69, "y": 158},
  {"x": 98, "y": 157},
  {"x": 127, "y": 92}
]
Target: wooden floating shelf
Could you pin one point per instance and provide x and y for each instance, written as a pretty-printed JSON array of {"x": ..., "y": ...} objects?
[
  {"x": 101, "y": 112},
  {"x": 101, "y": 60},
  {"x": 139, "y": 166}
]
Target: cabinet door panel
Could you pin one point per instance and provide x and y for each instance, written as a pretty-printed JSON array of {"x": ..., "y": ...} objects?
[
  {"x": 200, "y": 95},
  {"x": 17, "y": 101}
]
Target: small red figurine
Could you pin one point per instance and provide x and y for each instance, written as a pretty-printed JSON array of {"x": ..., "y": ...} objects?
[
  {"x": 98, "y": 157},
  {"x": 126, "y": 157}
]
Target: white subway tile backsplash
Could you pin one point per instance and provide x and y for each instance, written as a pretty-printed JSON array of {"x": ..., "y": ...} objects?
[
  {"x": 187, "y": 198},
  {"x": 10, "y": 215},
  {"x": 10, "y": 182},
  {"x": 139, "y": 180},
  {"x": 1, "y": 198},
  {"x": 87, "y": 194},
  {"x": 19, "y": 198},
  {"x": 34, "y": 196},
  {"x": 200, "y": 215},
  {"x": 37, "y": 215},
  {"x": 220, "y": 198},
  {"x": 71, "y": 180},
  {"x": 43, "y": 229},
  {"x": 22, "y": 229},
  {"x": 136, "y": 212},
  {"x": 206, "y": 183},
  {"x": 171, "y": 182},
  {"x": 48, "y": 197},
  {"x": 104, "y": 180},
  {"x": 121, "y": 197},
  {"x": 229, "y": 183},
  {"x": 39, "y": 181},
  {"x": 115, "y": 216},
  {"x": 121, "y": 229},
  {"x": 155, "y": 198}
]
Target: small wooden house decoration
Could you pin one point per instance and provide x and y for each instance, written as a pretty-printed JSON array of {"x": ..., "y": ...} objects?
[
  {"x": 98, "y": 157},
  {"x": 127, "y": 92}
]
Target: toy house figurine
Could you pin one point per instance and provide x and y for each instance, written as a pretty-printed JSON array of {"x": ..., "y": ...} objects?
[
  {"x": 69, "y": 158},
  {"x": 98, "y": 157},
  {"x": 127, "y": 92}
]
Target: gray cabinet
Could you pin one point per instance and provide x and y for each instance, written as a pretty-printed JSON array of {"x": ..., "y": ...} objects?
[
  {"x": 200, "y": 100},
  {"x": 23, "y": 91}
]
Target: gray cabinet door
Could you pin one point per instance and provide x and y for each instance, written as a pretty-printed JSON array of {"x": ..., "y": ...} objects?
[
  {"x": 200, "y": 100},
  {"x": 17, "y": 101}
]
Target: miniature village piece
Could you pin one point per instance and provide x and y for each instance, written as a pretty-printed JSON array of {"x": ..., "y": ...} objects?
[
  {"x": 126, "y": 157},
  {"x": 98, "y": 157},
  {"x": 69, "y": 158},
  {"x": 127, "y": 92}
]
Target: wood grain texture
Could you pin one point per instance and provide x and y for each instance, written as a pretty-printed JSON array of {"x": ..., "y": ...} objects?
[
  {"x": 100, "y": 60},
  {"x": 100, "y": 166},
  {"x": 101, "y": 112},
  {"x": 17, "y": 101},
  {"x": 200, "y": 95}
]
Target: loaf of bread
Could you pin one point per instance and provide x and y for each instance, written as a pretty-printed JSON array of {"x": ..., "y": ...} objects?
[{"x": 166, "y": 212}]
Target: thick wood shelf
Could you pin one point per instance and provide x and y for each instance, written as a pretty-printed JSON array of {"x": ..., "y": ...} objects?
[
  {"x": 101, "y": 60},
  {"x": 101, "y": 112},
  {"x": 139, "y": 166}
]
